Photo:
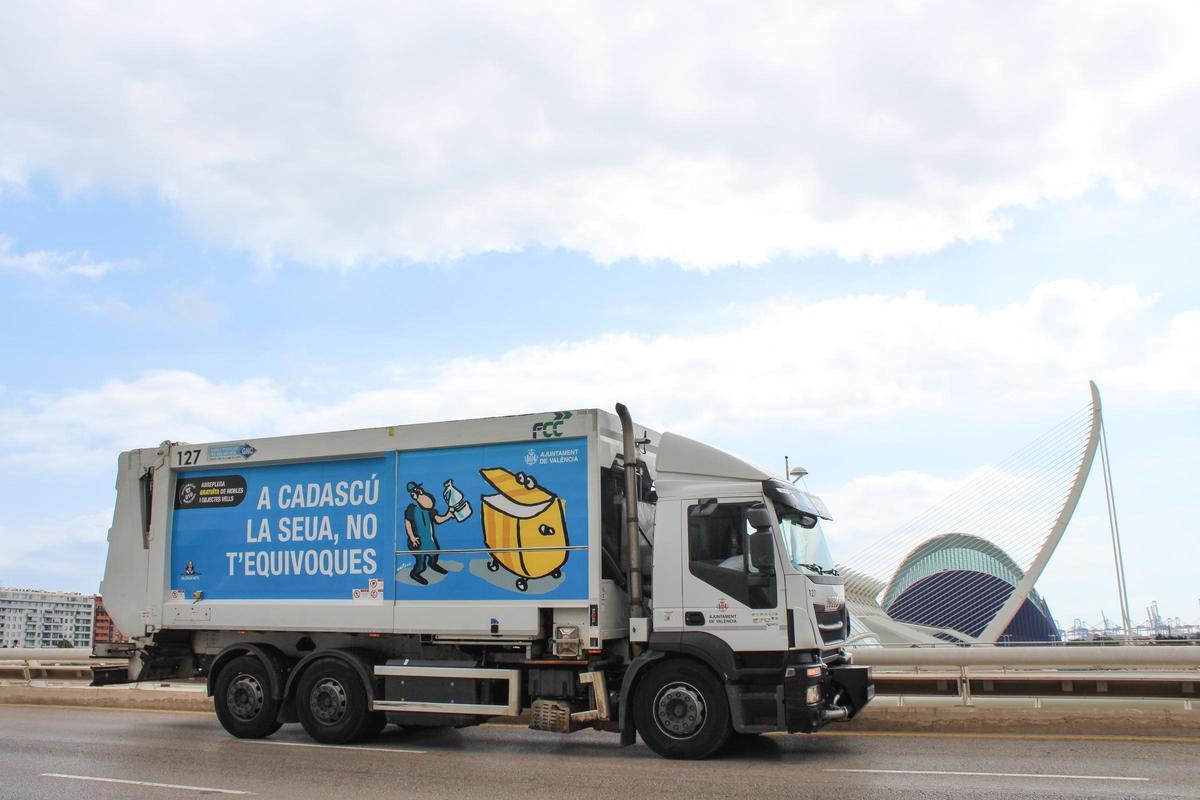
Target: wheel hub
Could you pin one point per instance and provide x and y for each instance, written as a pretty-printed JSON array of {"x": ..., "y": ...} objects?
[
  {"x": 245, "y": 697},
  {"x": 679, "y": 710},
  {"x": 327, "y": 701}
]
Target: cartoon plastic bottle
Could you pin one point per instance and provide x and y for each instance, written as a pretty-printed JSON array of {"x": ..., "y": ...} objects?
[{"x": 458, "y": 505}]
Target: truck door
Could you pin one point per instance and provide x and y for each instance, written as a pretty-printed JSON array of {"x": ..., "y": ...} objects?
[{"x": 724, "y": 592}]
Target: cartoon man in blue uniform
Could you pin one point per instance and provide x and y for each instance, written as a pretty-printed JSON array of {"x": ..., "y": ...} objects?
[{"x": 420, "y": 522}]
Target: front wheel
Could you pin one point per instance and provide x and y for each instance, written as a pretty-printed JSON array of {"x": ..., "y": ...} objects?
[
  {"x": 243, "y": 700},
  {"x": 332, "y": 703},
  {"x": 681, "y": 711}
]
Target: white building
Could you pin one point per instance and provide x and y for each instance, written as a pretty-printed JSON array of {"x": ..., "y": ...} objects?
[{"x": 34, "y": 618}]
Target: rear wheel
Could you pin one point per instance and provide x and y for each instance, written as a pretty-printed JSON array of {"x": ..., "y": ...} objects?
[
  {"x": 681, "y": 711},
  {"x": 332, "y": 703},
  {"x": 243, "y": 700}
]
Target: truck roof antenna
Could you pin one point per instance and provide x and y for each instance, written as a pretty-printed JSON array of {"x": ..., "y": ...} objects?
[{"x": 629, "y": 446}]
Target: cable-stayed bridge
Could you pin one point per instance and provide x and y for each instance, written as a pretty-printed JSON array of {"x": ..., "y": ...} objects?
[{"x": 964, "y": 571}]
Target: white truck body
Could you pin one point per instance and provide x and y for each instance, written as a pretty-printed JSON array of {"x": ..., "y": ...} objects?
[{"x": 146, "y": 594}]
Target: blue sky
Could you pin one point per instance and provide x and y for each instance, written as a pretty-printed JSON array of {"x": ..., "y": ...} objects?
[{"x": 895, "y": 264}]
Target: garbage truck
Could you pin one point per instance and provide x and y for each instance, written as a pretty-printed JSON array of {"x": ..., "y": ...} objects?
[{"x": 569, "y": 567}]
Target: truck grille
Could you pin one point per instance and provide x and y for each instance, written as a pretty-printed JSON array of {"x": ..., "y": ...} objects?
[{"x": 832, "y": 625}]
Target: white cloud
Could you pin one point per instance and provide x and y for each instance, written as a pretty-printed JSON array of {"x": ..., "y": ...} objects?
[
  {"x": 1013, "y": 504},
  {"x": 55, "y": 551},
  {"x": 85, "y": 428},
  {"x": 1171, "y": 365},
  {"x": 52, "y": 263},
  {"x": 703, "y": 134},
  {"x": 868, "y": 507},
  {"x": 820, "y": 365}
]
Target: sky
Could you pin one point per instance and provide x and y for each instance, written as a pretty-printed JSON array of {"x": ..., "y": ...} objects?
[{"x": 891, "y": 244}]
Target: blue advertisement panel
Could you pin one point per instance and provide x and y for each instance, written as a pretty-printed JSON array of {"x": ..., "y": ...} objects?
[
  {"x": 486, "y": 522},
  {"x": 324, "y": 530},
  {"x": 493, "y": 522}
]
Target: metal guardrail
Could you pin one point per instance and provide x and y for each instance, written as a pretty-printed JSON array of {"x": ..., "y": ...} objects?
[
  {"x": 968, "y": 685},
  {"x": 47, "y": 653},
  {"x": 1098, "y": 657},
  {"x": 1093, "y": 673}
]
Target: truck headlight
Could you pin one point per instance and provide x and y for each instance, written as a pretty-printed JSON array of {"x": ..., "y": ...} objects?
[{"x": 812, "y": 695}]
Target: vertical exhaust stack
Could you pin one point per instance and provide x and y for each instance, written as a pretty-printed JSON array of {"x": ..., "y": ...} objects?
[{"x": 636, "y": 609}]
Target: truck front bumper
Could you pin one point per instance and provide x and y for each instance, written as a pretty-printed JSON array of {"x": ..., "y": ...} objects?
[{"x": 811, "y": 701}]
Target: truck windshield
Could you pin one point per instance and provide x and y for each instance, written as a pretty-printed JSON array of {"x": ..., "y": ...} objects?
[{"x": 806, "y": 547}]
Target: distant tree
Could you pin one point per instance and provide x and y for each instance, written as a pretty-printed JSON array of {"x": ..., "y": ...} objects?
[{"x": 64, "y": 643}]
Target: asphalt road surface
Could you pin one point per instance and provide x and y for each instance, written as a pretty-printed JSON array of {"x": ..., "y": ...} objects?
[{"x": 49, "y": 752}]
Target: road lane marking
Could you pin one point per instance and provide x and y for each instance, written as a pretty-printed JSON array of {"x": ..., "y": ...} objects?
[
  {"x": 143, "y": 783},
  {"x": 991, "y": 774},
  {"x": 335, "y": 746}
]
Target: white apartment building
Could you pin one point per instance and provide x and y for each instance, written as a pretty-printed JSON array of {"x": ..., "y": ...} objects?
[{"x": 35, "y": 618}]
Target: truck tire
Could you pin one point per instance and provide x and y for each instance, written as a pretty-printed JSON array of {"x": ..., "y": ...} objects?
[
  {"x": 681, "y": 711},
  {"x": 242, "y": 697},
  {"x": 332, "y": 703}
]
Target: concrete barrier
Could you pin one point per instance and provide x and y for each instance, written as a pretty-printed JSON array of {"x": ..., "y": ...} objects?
[
  {"x": 1139, "y": 719},
  {"x": 24, "y": 665},
  {"x": 132, "y": 696}
]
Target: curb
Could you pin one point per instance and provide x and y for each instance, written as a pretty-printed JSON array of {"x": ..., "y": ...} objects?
[{"x": 1122, "y": 721}]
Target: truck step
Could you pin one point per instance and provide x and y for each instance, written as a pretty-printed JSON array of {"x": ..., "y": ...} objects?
[{"x": 551, "y": 715}]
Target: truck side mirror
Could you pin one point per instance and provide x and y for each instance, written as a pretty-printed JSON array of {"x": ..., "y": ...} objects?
[
  {"x": 762, "y": 552},
  {"x": 758, "y": 518}
]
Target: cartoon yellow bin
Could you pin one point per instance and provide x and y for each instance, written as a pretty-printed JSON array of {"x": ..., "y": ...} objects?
[{"x": 520, "y": 520}]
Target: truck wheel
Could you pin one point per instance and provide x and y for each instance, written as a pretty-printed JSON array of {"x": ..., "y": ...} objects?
[
  {"x": 332, "y": 703},
  {"x": 681, "y": 711},
  {"x": 242, "y": 697},
  {"x": 522, "y": 584},
  {"x": 493, "y": 566}
]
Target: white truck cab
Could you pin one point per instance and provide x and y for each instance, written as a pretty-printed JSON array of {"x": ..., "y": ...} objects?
[{"x": 743, "y": 579}]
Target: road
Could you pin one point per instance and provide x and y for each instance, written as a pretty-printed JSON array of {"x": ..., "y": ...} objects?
[{"x": 50, "y": 752}]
